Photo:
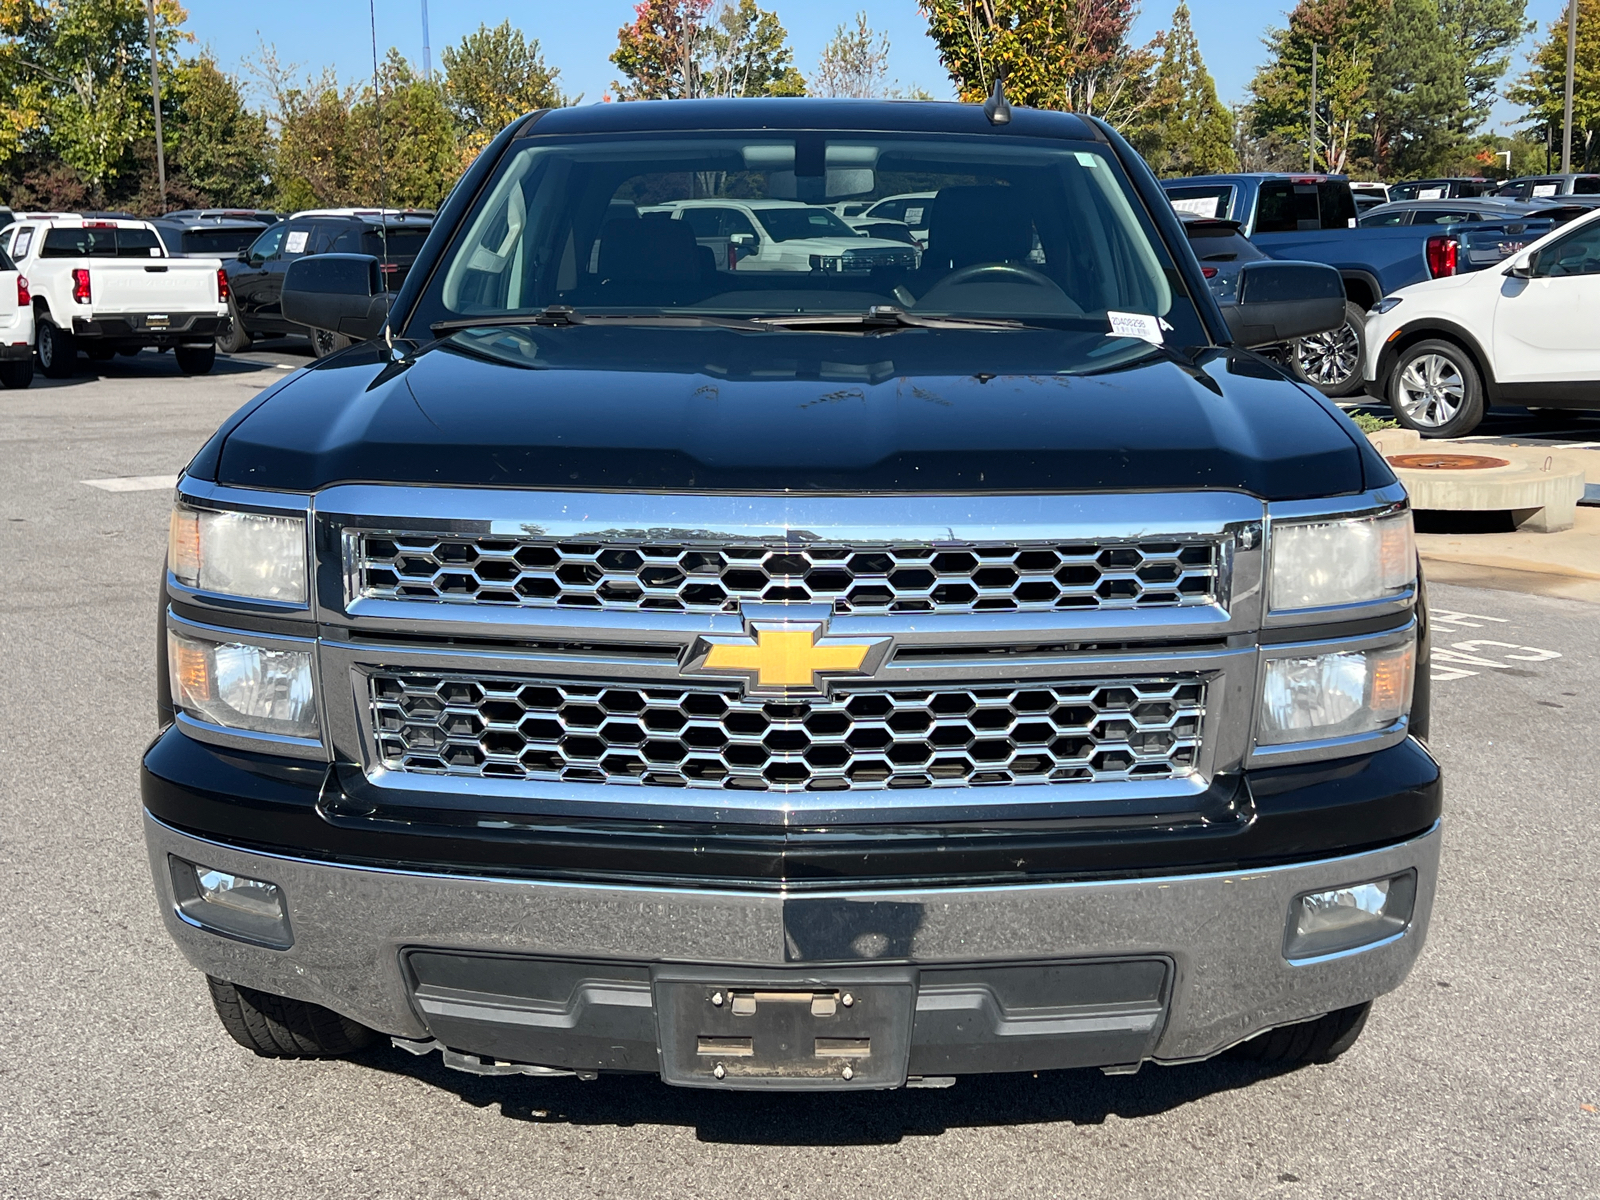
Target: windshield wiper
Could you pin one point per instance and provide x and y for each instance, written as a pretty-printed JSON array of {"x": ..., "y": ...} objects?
[
  {"x": 560, "y": 315},
  {"x": 886, "y": 316}
]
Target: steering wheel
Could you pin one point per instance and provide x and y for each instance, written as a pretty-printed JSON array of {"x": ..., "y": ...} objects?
[
  {"x": 1011, "y": 272},
  {"x": 1001, "y": 274}
]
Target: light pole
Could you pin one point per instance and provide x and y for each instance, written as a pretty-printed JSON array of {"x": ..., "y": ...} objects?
[
  {"x": 1572, "y": 52},
  {"x": 155, "y": 103},
  {"x": 1312, "y": 113},
  {"x": 427, "y": 53}
]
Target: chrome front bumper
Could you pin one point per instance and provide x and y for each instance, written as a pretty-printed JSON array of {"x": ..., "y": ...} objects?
[{"x": 1223, "y": 933}]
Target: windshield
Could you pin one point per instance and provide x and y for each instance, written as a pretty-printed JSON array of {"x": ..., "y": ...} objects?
[
  {"x": 801, "y": 221},
  {"x": 402, "y": 242},
  {"x": 100, "y": 241},
  {"x": 1031, "y": 230},
  {"x": 222, "y": 242}
]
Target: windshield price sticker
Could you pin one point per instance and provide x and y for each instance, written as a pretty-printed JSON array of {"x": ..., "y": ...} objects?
[
  {"x": 296, "y": 243},
  {"x": 1135, "y": 325},
  {"x": 1200, "y": 206}
]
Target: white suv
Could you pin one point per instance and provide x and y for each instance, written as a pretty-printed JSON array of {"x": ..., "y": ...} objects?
[{"x": 1528, "y": 333}]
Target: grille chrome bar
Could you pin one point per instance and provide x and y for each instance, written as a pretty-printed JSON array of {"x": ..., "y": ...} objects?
[
  {"x": 524, "y": 728},
  {"x": 638, "y": 574}
]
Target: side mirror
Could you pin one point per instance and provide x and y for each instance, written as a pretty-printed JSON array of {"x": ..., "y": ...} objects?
[
  {"x": 339, "y": 292},
  {"x": 1523, "y": 265},
  {"x": 243, "y": 256},
  {"x": 1281, "y": 301}
]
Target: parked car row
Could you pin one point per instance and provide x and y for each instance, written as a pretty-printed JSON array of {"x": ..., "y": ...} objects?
[
  {"x": 108, "y": 286},
  {"x": 255, "y": 273},
  {"x": 193, "y": 282},
  {"x": 1441, "y": 343}
]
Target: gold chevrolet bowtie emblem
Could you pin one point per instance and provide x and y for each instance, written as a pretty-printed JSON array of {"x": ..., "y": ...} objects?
[{"x": 786, "y": 656}]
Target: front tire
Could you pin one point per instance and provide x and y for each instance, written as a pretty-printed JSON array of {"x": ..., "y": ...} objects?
[
  {"x": 234, "y": 338},
  {"x": 195, "y": 360},
  {"x": 55, "y": 350},
  {"x": 18, "y": 374},
  {"x": 1435, "y": 388},
  {"x": 1316, "y": 1041},
  {"x": 277, "y": 1027},
  {"x": 1331, "y": 361},
  {"x": 325, "y": 342}
]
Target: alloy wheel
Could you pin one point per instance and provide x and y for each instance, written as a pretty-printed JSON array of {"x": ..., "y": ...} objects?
[
  {"x": 1329, "y": 359},
  {"x": 1431, "y": 390}
]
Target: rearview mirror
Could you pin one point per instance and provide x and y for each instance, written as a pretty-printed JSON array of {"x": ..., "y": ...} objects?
[
  {"x": 1281, "y": 301},
  {"x": 1524, "y": 265},
  {"x": 340, "y": 292}
]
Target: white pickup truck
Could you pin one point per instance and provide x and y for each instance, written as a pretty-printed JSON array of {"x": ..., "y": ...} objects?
[
  {"x": 16, "y": 326},
  {"x": 108, "y": 286}
]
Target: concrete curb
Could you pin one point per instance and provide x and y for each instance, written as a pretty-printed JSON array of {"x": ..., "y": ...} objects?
[{"x": 1564, "y": 562}]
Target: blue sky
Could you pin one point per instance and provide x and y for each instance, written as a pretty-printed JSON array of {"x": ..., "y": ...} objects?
[{"x": 579, "y": 35}]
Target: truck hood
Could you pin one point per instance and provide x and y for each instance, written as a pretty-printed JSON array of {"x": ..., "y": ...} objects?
[{"x": 711, "y": 409}]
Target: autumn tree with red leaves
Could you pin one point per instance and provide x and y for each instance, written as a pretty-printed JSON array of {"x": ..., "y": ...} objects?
[{"x": 1059, "y": 54}]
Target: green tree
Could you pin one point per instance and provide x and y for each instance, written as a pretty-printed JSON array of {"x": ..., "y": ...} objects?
[
  {"x": 1186, "y": 130},
  {"x": 1540, "y": 89},
  {"x": 315, "y": 151},
  {"x": 214, "y": 144},
  {"x": 748, "y": 54},
  {"x": 1482, "y": 33},
  {"x": 1057, "y": 54},
  {"x": 1347, "y": 34},
  {"x": 75, "y": 85},
  {"x": 493, "y": 77},
  {"x": 419, "y": 158},
  {"x": 1420, "y": 109}
]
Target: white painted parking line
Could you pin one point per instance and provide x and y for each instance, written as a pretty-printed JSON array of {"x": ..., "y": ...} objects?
[{"x": 134, "y": 483}]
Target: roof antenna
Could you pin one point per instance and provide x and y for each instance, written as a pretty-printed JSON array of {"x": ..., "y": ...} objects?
[
  {"x": 996, "y": 107},
  {"x": 383, "y": 181}
]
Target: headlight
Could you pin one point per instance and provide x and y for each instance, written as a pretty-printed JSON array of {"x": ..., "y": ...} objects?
[
  {"x": 1387, "y": 304},
  {"x": 241, "y": 686},
  {"x": 252, "y": 555},
  {"x": 1335, "y": 695},
  {"x": 1316, "y": 564}
]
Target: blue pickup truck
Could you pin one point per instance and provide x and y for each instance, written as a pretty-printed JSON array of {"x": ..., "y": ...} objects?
[{"x": 1313, "y": 218}]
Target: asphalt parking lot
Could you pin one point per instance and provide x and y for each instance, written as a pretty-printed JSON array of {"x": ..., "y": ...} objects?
[{"x": 1480, "y": 1077}]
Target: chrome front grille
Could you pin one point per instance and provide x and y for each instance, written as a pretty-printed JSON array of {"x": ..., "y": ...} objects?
[
  {"x": 641, "y": 574},
  {"x": 521, "y": 728}
]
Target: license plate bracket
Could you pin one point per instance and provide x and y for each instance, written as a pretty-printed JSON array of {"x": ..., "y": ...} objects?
[{"x": 749, "y": 1029}]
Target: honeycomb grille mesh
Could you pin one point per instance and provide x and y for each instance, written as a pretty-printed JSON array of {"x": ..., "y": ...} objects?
[
  {"x": 646, "y": 575},
  {"x": 519, "y": 728}
]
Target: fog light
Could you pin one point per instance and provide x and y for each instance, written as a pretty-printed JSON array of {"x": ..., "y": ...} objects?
[
  {"x": 1346, "y": 918},
  {"x": 234, "y": 905}
]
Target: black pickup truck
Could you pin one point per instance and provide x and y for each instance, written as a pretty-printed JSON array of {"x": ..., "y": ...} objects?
[{"x": 849, "y": 675}]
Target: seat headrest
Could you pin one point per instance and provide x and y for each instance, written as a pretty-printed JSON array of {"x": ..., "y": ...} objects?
[
  {"x": 648, "y": 252},
  {"x": 978, "y": 224}
]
